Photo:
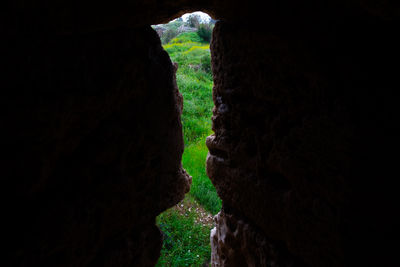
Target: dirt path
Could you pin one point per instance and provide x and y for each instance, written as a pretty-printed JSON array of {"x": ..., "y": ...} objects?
[{"x": 189, "y": 205}]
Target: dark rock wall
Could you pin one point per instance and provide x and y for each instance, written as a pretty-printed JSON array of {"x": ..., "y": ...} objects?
[
  {"x": 305, "y": 132},
  {"x": 91, "y": 147},
  {"x": 298, "y": 118}
]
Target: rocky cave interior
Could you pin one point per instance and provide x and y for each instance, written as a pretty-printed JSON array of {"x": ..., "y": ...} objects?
[{"x": 304, "y": 121}]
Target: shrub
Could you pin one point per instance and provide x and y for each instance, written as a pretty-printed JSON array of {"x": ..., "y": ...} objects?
[
  {"x": 168, "y": 35},
  {"x": 205, "y": 32}
]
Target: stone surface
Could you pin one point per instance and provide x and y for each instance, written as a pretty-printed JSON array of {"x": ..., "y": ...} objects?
[
  {"x": 305, "y": 125},
  {"x": 235, "y": 242},
  {"x": 89, "y": 160},
  {"x": 290, "y": 144}
]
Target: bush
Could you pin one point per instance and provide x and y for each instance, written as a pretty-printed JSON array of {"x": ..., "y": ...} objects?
[
  {"x": 168, "y": 35},
  {"x": 205, "y": 32}
]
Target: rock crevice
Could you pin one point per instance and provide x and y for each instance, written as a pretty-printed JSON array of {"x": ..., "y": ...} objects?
[{"x": 305, "y": 127}]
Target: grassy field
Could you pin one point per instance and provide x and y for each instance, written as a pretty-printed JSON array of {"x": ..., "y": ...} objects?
[
  {"x": 187, "y": 226},
  {"x": 194, "y": 80},
  {"x": 186, "y": 232}
]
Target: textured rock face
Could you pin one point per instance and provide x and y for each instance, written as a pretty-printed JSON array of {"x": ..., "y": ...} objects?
[
  {"x": 289, "y": 147},
  {"x": 305, "y": 128},
  {"x": 90, "y": 158},
  {"x": 237, "y": 243},
  {"x": 271, "y": 129}
]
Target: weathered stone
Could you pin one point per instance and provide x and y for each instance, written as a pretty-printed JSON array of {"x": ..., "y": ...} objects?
[
  {"x": 89, "y": 160},
  {"x": 235, "y": 242},
  {"x": 305, "y": 126},
  {"x": 286, "y": 153}
]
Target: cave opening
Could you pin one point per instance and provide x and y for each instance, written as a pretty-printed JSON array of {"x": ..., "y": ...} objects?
[
  {"x": 186, "y": 226},
  {"x": 302, "y": 155}
]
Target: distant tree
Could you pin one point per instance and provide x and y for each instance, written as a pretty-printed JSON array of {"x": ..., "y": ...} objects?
[{"x": 194, "y": 20}]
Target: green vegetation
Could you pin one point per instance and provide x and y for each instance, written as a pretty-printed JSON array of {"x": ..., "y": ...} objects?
[
  {"x": 186, "y": 239},
  {"x": 187, "y": 226},
  {"x": 169, "y": 31},
  {"x": 202, "y": 189},
  {"x": 194, "y": 80},
  {"x": 205, "y": 31},
  {"x": 194, "y": 20},
  {"x": 188, "y": 37},
  {"x": 195, "y": 83}
]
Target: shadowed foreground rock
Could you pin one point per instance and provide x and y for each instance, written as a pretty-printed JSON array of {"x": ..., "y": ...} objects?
[
  {"x": 90, "y": 160},
  {"x": 236, "y": 243},
  {"x": 295, "y": 153}
]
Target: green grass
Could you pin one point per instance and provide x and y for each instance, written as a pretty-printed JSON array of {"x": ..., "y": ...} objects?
[
  {"x": 195, "y": 82},
  {"x": 184, "y": 239},
  {"x": 186, "y": 243},
  {"x": 202, "y": 189},
  {"x": 187, "y": 37}
]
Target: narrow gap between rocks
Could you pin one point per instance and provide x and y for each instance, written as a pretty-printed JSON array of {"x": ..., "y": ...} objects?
[{"x": 186, "y": 227}]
